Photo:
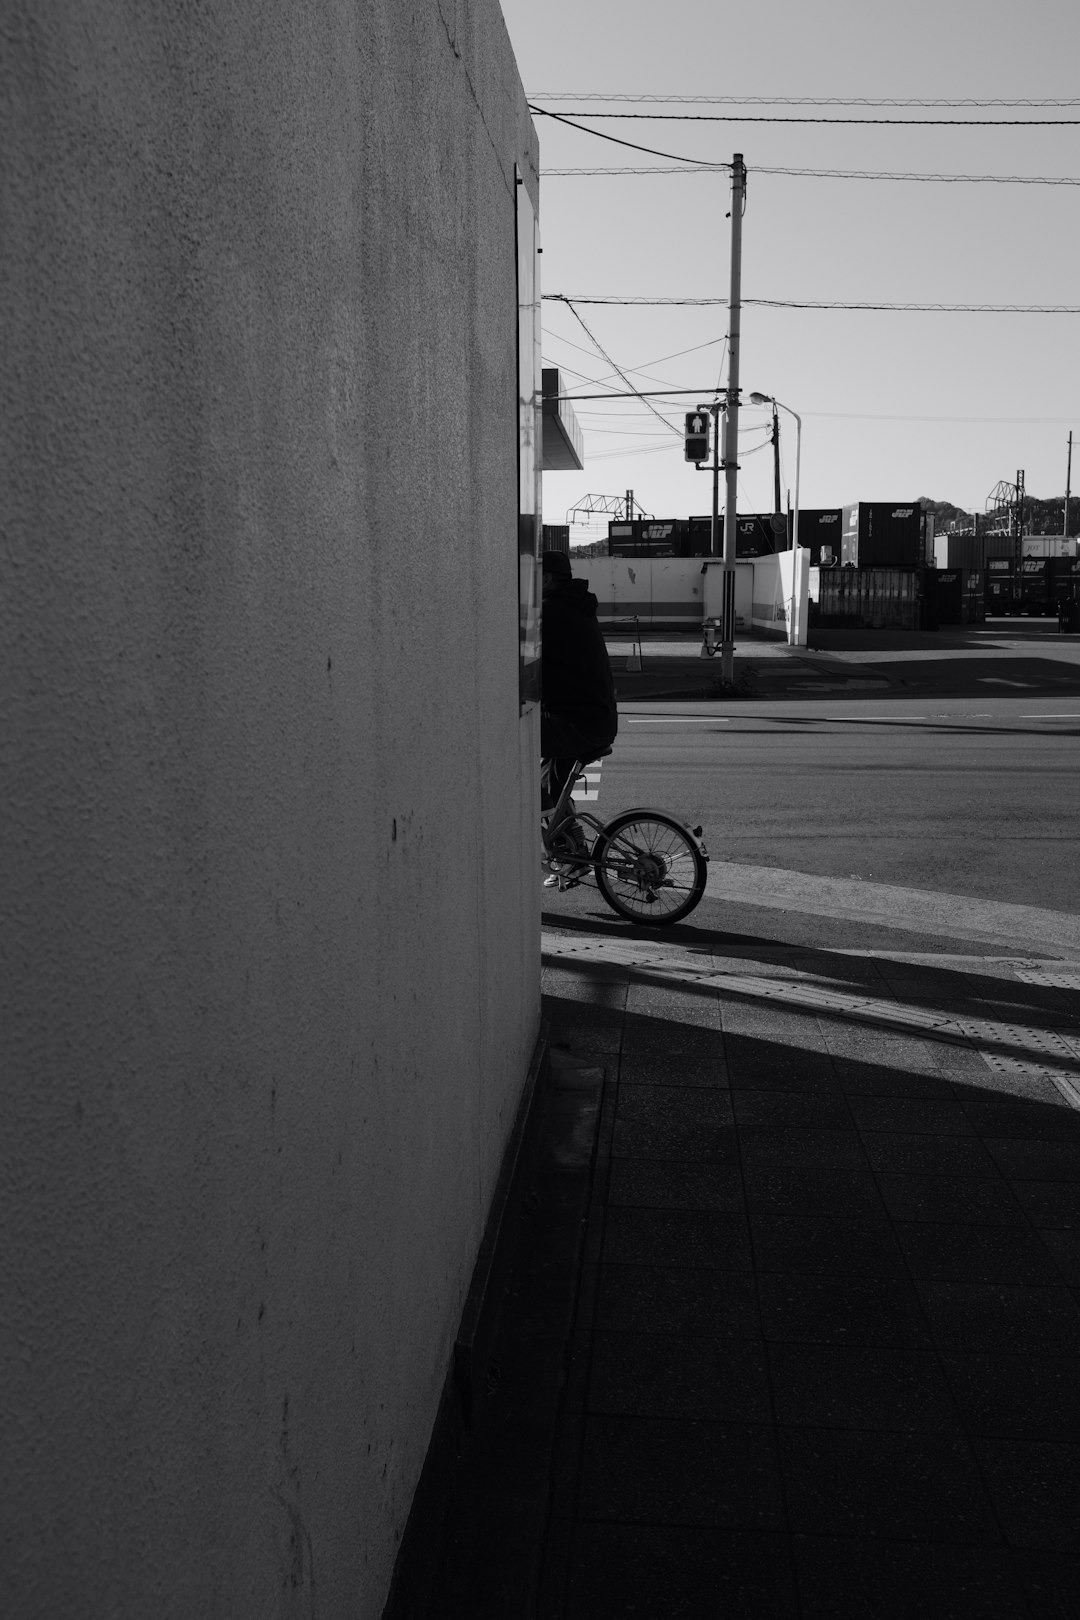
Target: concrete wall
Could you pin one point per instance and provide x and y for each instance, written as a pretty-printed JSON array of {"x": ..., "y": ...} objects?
[
  {"x": 779, "y": 604},
  {"x": 269, "y": 964},
  {"x": 659, "y": 590}
]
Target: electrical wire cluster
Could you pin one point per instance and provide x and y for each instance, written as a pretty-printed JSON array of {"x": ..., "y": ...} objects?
[
  {"x": 582, "y": 118},
  {"x": 812, "y": 303},
  {"x": 808, "y": 118},
  {"x": 802, "y": 101},
  {"x": 838, "y": 174}
]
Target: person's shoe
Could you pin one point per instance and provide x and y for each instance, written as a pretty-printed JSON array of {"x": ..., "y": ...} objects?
[{"x": 567, "y": 874}]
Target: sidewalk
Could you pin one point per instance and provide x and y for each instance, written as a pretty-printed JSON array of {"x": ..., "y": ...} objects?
[
  {"x": 795, "y": 1324},
  {"x": 841, "y": 662},
  {"x": 672, "y": 666}
]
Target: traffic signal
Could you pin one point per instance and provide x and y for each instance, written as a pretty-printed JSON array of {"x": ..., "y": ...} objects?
[{"x": 696, "y": 436}]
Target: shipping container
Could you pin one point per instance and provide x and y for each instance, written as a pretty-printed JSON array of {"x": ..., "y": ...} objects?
[
  {"x": 556, "y": 537},
  {"x": 1065, "y": 587},
  {"x": 954, "y": 596},
  {"x": 973, "y": 604},
  {"x": 757, "y": 534},
  {"x": 944, "y": 591},
  {"x": 869, "y": 598},
  {"x": 1035, "y": 587},
  {"x": 820, "y": 530},
  {"x": 650, "y": 537},
  {"x": 960, "y": 550},
  {"x": 1000, "y": 544},
  {"x": 1001, "y": 598},
  {"x": 883, "y": 534},
  {"x": 1065, "y": 576},
  {"x": 1048, "y": 545}
]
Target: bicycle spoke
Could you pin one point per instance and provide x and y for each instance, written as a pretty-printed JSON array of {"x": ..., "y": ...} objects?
[{"x": 650, "y": 868}]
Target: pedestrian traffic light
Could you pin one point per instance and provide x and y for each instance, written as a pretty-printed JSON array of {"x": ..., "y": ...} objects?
[{"x": 696, "y": 436}]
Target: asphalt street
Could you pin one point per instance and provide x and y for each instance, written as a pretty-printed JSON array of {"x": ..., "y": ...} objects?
[
  {"x": 909, "y": 770},
  {"x": 793, "y": 1322}
]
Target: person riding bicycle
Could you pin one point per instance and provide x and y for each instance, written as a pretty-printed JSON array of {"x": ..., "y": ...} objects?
[{"x": 579, "y": 717}]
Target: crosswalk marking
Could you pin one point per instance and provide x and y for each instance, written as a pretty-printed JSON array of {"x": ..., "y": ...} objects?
[{"x": 591, "y": 790}]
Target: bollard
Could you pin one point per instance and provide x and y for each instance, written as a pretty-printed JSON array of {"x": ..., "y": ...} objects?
[{"x": 633, "y": 663}]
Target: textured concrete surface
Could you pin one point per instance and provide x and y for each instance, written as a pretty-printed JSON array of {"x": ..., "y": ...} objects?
[{"x": 269, "y": 992}]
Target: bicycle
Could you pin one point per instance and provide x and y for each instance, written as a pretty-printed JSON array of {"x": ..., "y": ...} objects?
[{"x": 647, "y": 865}]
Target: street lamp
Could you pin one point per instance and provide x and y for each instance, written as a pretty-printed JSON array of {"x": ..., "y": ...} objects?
[{"x": 769, "y": 399}]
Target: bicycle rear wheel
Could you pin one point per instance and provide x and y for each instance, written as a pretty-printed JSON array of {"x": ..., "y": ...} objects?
[{"x": 649, "y": 868}]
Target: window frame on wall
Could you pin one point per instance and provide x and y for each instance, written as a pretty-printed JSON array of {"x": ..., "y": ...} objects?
[{"x": 529, "y": 403}]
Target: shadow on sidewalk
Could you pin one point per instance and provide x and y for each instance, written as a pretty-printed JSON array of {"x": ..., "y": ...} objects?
[{"x": 795, "y": 1332}]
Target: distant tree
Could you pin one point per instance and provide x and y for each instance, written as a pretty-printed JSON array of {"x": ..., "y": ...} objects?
[{"x": 944, "y": 511}]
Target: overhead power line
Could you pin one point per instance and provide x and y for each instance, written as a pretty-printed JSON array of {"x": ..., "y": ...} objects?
[
  {"x": 838, "y": 174},
  {"x": 809, "y": 303},
  {"x": 617, "y": 141},
  {"x": 806, "y": 118},
  {"x": 801, "y": 101},
  {"x": 618, "y": 369}
]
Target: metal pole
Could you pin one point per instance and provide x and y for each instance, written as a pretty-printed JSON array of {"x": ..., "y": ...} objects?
[
  {"x": 731, "y": 421},
  {"x": 776, "y": 460},
  {"x": 714, "y": 527},
  {"x": 1068, "y": 481},
  {"x": 1019, "y": 521},
  {"x": 795, "y": 525}
]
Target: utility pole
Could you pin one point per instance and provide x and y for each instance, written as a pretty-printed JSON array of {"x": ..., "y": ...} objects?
[
  {"x": 1019, "y": 520},
  {"x": 1068, "y": 481},
  {"x": 731, "y": 418},
  {"x": 776, "y": 459}
]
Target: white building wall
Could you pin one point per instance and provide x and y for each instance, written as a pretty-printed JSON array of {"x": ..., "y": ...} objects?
[
  {"x": 270, "y": 957},
  {"x": 656, "y": 590}
]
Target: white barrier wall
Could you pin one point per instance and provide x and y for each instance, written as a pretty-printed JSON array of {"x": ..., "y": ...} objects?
[
  {"x": 780, "y": 595},
  {"x": 658, "y": 590},
  {"x": 682, "y": 591}
]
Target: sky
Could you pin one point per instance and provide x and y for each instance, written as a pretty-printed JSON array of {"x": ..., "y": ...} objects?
[{"x": 894, "y": 405}]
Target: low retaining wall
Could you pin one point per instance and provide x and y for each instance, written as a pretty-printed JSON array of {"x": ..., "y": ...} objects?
[
  {"x": 661, "y": 592},
  {"x": 776, "y": 598},
  {"x": 671, "y": 593}
]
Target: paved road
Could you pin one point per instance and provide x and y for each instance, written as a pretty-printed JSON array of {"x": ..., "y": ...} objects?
[{"x": 844, "y": 816}]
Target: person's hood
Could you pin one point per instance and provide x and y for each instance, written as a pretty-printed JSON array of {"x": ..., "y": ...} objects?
[{"x": 573, "y": 593}]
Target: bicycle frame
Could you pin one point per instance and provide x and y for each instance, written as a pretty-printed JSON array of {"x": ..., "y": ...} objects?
[
  {"x": 554, "y": 821},
  {"x": 648, "y": 866}
]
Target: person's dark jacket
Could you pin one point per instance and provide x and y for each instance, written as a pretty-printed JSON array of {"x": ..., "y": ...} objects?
[{"x": 577, "y": 686}]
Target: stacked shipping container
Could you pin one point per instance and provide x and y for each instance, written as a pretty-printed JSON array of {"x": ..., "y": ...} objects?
[
  {"x": 883, "y": 534},
  {"x": 1035, "y": 589}
]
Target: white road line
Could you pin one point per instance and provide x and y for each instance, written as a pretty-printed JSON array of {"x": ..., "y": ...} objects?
[
  {"x": 1050, "y": 717},
  {"x": 591, "y": 790}
]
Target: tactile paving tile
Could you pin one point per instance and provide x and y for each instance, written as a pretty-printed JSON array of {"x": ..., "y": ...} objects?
[
  {"x": 1066, "y": 978},
  {"x": 1006, "y": 1048}
]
